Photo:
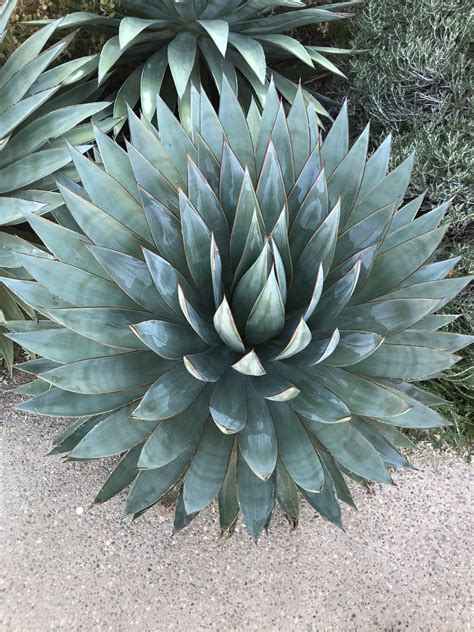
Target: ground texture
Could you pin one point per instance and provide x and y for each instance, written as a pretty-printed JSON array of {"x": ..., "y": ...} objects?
[{"x": 403, "y": 562}]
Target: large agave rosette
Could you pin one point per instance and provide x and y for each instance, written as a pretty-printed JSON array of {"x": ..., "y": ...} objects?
[
  {"x": 240, "y": 312},
  {"x": 163, "y": 46}
]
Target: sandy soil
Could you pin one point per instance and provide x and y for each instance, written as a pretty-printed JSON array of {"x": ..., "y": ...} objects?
[{"x": 403, "y": 562}]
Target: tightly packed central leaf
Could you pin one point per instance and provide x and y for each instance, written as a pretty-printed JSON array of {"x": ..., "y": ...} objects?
[{"x": 244, "y": 309}]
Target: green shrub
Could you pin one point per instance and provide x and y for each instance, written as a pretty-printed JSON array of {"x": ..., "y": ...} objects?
[
  {"x": 414, "y": 81},
  {"x": 245, "y": 311}
]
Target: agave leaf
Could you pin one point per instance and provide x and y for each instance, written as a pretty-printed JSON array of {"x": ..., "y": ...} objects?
[
  {"x": 391, "y": 187},
  {"x": 287, "y": 495},
  {"x": 131, "y": 27},
  {"x": 103, "y": 229},
  {"x": 218, "y": 31},
  {"x": 108, "y": 326},
  {"x": 32, "y": 294},
  {"x": 252, "y": 52},
  {"x": 313, "y": 210},
  {"x": 208, "y": 468},
  {"x": 108, "y": 375},
  {"x": 431, "y": 272},
  {"x": 386, "y": 316},
  {"x": 167, "y": 280},
  {"x": 172, "y": 393},
  {"x": 315, "y": 402},
  {"x": 299, "y": 132},
  {"x": 325, "y": 502},
  {"x": 145, "y": 140},
  {"x": 169, "y": 340},
  {"x": 442, "y": 341},
  {"x": 273, "y": 386},
  {"x": 151, "y": 81},
  {"x": 228, "y": 501},
  {"x": 116, "y": 162},
  {"x": 443, "y": 291},
  {"x": 300, "y": 339},
  {"x": 151, "y": 485},
  {"x": 282, "y": 143},
  {"x": 334, "y": 299},
  {"x": 393, "y": 435},
  {"x": 405, "y": 362},
  {"x": 206, "y": 203},
  {"x": 181, "y": 518},
  {"x": 197, "y": 244},
  {"x": 231, "y": 177},
  {"x": 434, "y": 322},
  {"x": 245, "y": 208},
  {"x": 403, "y": 261},
  {"x": 353, "y": 346},
  {"x": 209, "y": 365},
  {"x": 251, "y": 285},
  {"x": 336, "y": 143},
  {"x": 181, "y": 55},
  {"x": 57, "y": 402},
  {"x": 109, "y": 195},
  {"x": 353, "y": 450},
  {"x": 165, "y": 228},
  {"x": 270, "y": 191},
  {"x": 202, "y": 327},
  {"x": 173, "y": 436},
  {"x": 61, "y": 345},
  {"x": 74, "y": 434},
  {"x": 249, "y": 364},
  {"x": 133, "y": 277},
  {"x": 228, "y": 406},
  {"x": 387, "y": 451},
  {"x": 268, "y": 313},
  {"x": 295, "y": 449},
  {"x": 235, "y": 128},
  {"x": 366, "y": 397},
  {"x": 38, "y": 132},
  {"x": 33, "y": 168},
  {"x": 112, "y": 435},
  {"x": 320, "y": 249},
  {"x": 427, "y": 222},
  {"x": 225, "y": 326},
  {"x": 256, "y": 498},
  {"x": 406, "y": 213},
  {"x": 318, "y": 350},
  {"x": 174, "y": 139},
  {"x": 121, "y": 477},
  {"x": 82, "y": 287},
  {"x": 332, "y": 470},
  {"x": 257, "y": 439}
]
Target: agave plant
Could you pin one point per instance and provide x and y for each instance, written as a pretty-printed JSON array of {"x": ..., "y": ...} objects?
[
  {"x": 245, "y": 311},
  {"x": 42, "y": 105},
  {"x": 206, "y": 39}
]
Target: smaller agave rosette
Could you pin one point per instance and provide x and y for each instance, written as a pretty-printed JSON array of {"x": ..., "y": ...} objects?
[{"x": 239, "y": 311}]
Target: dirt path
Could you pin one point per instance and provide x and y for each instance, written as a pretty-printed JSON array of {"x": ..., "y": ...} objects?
[{"x": 402, "y": 564}]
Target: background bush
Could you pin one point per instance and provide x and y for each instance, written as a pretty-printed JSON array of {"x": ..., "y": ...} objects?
[{"x": 413, "y": 80}]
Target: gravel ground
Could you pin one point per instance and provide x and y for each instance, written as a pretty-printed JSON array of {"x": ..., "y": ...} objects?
[{"x": 403, "y": 562}]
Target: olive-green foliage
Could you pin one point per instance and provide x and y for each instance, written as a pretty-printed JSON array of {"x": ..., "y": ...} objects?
[{"x": 415, "y": 82}]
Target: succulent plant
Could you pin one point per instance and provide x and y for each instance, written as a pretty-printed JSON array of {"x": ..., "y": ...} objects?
[
  {"x": 43, "y": 104},
  {"x": 203, "y": 40},
  {"x": 240, "y": 311}
]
